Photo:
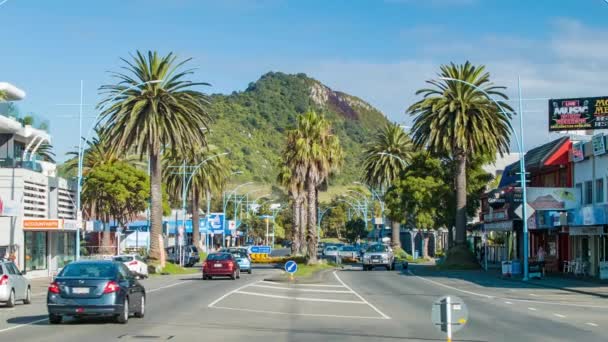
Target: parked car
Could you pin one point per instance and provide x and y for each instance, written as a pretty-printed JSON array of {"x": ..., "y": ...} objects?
[
  {"x": 330, "y": 251},
  {"x": 134, "y": 263},
  {"x": 220, "y": 264},
  {"x": 378, "y": 255},
  {"x": 348, "y": 252},
  {"x": 190, "y": 255},
  {"x": 13, "y": 285},
  {"x": 95, "y": 288},
  {"x": 243, "y": 260}
]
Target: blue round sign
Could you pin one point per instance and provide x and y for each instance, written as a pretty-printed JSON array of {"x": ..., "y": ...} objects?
[{"x": 291, "y": 267}]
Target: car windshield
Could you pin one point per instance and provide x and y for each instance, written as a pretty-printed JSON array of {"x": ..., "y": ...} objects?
[
  {"x": 218, "y": 256},
  {"x": 331, "y": 248},
  {"x": 347, "y": 249},
  {"x": 123, "y": 258},
  {"x": 376, "y": 249},
  {"x": 89, "y": 270}
]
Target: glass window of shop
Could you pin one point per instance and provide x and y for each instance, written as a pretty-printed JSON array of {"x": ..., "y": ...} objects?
[
  {"x": 65, "y": 248},
  {"x": 35, "y": 251}
]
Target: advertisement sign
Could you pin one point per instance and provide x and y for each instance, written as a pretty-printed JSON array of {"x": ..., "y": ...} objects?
[
  {"x": 599, "y": 147},
  {"x": 216, "y": 222},
  {"x": 589, "y": 215},
  {"x": 231, "y": 224},
  {"x": 577, "y": 114},
  {"x": 551, "y": 198},
  {"x": 42, "y": 224},
  {"x": 577, "y": 152}
]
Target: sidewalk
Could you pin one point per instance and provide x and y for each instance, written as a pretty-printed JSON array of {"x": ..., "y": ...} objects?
[{"x": 594, "y": 287}]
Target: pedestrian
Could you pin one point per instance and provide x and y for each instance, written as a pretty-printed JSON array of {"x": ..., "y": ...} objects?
[{"x": 540, "y": 257}]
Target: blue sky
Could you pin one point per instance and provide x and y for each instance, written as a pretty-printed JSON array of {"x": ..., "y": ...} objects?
[{"x": 379, "y": 50}]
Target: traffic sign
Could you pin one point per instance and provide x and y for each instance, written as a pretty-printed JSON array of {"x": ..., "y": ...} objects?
[
  {"x": 529, "y": 211},
  {"x": 449, "y": 314},
  {"x": 260, "y": 249},
  {"x": 291, "y": 267}
]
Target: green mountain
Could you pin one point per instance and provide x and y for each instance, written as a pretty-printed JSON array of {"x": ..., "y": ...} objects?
[{"x": 252, "y": 123}]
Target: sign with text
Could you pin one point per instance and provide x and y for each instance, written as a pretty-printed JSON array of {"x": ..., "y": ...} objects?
[
  {"x": 577, "y": 152},
  {"x": 576, "y": 114},
  {"x": 599, "y": 147}
]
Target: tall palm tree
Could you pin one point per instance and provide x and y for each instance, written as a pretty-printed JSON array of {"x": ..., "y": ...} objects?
[
  {"x": 155, "y": 116},
  {"x": 384, "y": 159},
  {"x": 457, "y": 120},
  {"x": 210, "y": 178},
  {"x": 314, "y": 154},
  {"x": 45, "y": 152},
  {"x": 295, "y": 189}
]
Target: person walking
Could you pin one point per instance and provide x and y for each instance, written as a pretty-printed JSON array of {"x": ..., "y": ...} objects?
[{"x": 540, "y": 257}]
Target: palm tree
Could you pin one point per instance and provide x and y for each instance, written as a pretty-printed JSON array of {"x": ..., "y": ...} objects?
[
  {"x": 149, "y": 117},
  {"x": 210, "y": 178},
  {"x": 384, "y": 159},
  {"x": 313, "y": 154},
  {"x": 457, "y": 120},
  {"x": 295, "y": 189},
  {"x": 45, "y": 152}
]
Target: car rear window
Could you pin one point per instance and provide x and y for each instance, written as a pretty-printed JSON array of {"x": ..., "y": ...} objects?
[
  {"x": 89, "y": 270},
  {"x": 123, "y": 258},
  {"x": 218, "y": 256}
]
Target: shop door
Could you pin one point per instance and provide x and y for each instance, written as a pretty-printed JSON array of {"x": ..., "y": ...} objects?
[{"x": 585, "y": 249}]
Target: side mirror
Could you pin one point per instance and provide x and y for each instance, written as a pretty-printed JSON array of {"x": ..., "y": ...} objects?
[{"x": 24, "y": 272}]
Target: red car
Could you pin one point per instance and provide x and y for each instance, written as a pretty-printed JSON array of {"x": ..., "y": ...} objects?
[{"x": 221, "y": 264}]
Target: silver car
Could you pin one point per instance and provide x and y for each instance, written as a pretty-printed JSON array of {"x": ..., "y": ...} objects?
[
  {"x": 13, "y": 285},
  {"x": 378, "y": 255}
]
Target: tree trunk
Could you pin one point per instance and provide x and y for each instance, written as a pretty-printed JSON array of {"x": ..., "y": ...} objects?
[
  {"x": 295, "y": 233},
  {"x": 396, "y": 230},
  {"x": 196, "y": 233},
  {"x": 303, "y": 224},
  {"x": 425, "y": 248},
  {"x": 156, "y": 203},
  {"x": 461, "y": 198},
  {"x": 311, "y": 236}
]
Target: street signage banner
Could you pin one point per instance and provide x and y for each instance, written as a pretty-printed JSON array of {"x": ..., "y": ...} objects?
[
  {"x": 551, "y": 198},
  {"x": 260, "y": 249},
  {"x": 216, "y": 222},
  {"x": 576, "y": 114},
  {"x": 599, "y": 147},
  {"x": 577, "y": 152}
]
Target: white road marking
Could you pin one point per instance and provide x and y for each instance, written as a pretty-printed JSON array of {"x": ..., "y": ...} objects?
[
  {"x": 24, "y": 324},
  {"x": 450, "y": 287},
  {"x": 533, "y": 295},
  {"x": 300, "y": 285},
  {"x": 510, "y": 303},
  {"x": 532, "y": 309},
  {"x": 513, "y": 299},
  {"x": 229, "y": 293},
  {"x": 558, "y": 315},
  {"x": 360, "y": 297},
  {"x": 591, "y": 324},
  {"x": 296, "y": 314},
  {"x": 300, "y": 289},
  {"x": 167, "y": 286},
  {"x": 303, "y": 299}
]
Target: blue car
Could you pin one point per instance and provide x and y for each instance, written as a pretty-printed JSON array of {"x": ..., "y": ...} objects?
[{"x": 242, "y": 259}]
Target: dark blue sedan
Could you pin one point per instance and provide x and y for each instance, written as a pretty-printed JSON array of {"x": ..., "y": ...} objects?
[{"x": 95, "y": 288}]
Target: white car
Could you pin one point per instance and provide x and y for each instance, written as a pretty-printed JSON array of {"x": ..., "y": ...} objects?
[
  {"x": 330, "y": 251},
  {"x": 13, "y": 285},
  {"x": 348, "y": 252},
  {"x": 134, "y": 263}
]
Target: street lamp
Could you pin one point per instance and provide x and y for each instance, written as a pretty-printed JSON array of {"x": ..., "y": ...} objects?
[
  {"x": 81, "y": 154},
  {"x": 522, "y": 163},
  {"x": 226, "y": 200}
]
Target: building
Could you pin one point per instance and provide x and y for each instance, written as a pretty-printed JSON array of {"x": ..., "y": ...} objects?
[
  {"x": 37, "y": 210},
  {"x": 588, "y": 221}
]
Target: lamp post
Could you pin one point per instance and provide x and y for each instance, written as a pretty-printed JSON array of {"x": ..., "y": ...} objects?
[
  {"x": 226, "y": 200},
  {"x": 522, "y": 163},
  {"x": 80, "y": 148},
  {"x": 320, "y": 217}
]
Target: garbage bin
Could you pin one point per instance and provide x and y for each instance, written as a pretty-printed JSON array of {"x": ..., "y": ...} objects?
[
  {"x": 515, "y": 267},
  {"x": 507, "y": 268}
]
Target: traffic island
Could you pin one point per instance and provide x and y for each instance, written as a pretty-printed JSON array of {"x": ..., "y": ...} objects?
[{"x": 306, "y": 274}]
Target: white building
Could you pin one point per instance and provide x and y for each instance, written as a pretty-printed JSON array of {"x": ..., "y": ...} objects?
[{"x": 37, "y": 210}]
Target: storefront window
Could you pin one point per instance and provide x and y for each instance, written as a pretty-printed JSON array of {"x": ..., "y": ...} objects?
[
  {"x": 35, "y": 251},
  {"x": 599, "y": 190},
  {"x": 65, "y": 248},
  {"x": 588, "y": 192}
]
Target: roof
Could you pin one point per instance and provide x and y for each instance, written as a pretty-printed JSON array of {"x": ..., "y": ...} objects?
[{"x": 536, "y": 157}]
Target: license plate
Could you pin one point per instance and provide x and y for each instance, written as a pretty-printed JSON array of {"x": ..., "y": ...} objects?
[
  {"x": 217, "y": 265},
  {"x": 375, "y": 261},
  {"x": 80, "y": 290}
]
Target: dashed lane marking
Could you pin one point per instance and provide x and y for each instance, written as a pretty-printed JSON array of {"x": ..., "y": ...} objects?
[
  {"x": 559, "y": 315},
  {"x": 591, "y": 324},
  {"x": 300, "y": 285},
  {"x": 532, "y": 309},
  {"x": 510, "y": 303}
]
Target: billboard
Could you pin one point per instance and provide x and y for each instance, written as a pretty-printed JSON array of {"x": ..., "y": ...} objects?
[
  {"x": 551, "y": 198},
  {"x": 576, "y": 114}
]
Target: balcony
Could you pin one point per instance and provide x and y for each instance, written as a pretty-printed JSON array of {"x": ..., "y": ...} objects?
[{"x": 18, "y": 164}]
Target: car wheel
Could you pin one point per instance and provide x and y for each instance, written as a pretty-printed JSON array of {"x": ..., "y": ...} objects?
[
  {"x": 55, "y": 319},
  {"x": 388, "y": 267},
  {"x": 393, "y": 266},
  {"x": 142, "y": 308},
  {"x": 249, "y": 271},
  {"x": 238, "y": 274},
  {"x": 28, "y": 296},
  {"x": 233, "y": 275},
  {"x": 123, "y": 317},
  {"x": 11, "y": 299}
]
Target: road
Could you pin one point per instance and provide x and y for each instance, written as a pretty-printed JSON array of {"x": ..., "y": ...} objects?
[{"x": 347, "y": 305}]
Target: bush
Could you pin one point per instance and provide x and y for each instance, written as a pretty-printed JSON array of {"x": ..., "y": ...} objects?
[
  {"x": 281, "y": 260},
  {"x": 401, "y": 255}
]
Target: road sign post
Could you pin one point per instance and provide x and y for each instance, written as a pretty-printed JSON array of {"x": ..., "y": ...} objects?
[
  {"x": 450, "y": 315},
  {"x": 291, "y": 267}
]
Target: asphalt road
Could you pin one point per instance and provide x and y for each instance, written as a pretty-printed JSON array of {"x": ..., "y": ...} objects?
[{"x": 348, "y": 305}]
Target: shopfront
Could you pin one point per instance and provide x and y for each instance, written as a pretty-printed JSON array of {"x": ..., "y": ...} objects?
[
  {"x": 49, "y": 245},
  {"x": 589, "y": 240}
]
